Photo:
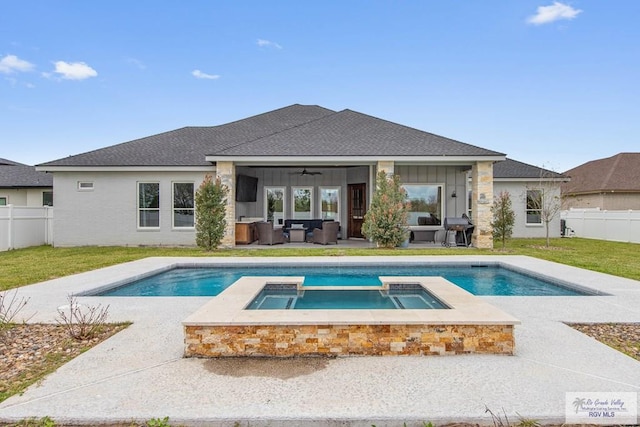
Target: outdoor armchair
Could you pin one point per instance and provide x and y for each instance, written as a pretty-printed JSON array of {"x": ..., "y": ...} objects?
[
  {"x": 327, "y": 234},
  {"x": 267, "y": 235}
]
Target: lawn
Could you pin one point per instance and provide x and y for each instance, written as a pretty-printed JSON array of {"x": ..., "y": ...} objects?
[{"x": 26, "y": 266}]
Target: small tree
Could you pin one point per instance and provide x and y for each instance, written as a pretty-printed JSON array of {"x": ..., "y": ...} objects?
[
  {"x": 386, "y": 221},
  {"x": 544, "y": 199},
  {"x": 503, "y": 217},
  {"x": 211, "y": 201}
]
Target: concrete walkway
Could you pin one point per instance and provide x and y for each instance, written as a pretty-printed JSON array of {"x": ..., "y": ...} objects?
[{"x": 140, "y": 374}]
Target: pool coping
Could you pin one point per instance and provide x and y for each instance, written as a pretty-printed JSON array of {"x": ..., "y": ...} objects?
[{"x": 229, "y": 307}]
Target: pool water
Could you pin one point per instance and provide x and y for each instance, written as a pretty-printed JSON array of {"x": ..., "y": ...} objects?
[
  {"x": 478, "y": 280},
  {"x": 288, "y": 298}
]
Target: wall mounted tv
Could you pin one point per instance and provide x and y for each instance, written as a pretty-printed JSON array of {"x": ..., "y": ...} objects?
[{"x": 246, "y": 188}]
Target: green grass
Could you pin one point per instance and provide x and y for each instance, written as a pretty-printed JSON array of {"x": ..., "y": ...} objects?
[{"x": 26, "y": 266}]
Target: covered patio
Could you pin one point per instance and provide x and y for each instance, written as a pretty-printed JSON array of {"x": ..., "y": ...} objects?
[{"x": 288, "y": 193}]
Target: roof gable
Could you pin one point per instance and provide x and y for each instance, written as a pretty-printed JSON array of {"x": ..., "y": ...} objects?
[
  {"x": 349, "y": 133},
  {"x": 617, "y": 173}
]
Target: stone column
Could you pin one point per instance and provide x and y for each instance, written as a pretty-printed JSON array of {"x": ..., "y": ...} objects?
[
  {"x": 481, "y": 201},
  {"x": 226, "y": 171},
  {"x": 387, "y": 166}
]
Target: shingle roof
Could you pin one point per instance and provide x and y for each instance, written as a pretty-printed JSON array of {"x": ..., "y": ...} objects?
[
  {"x": 297, "y": 130},
  {"x": 349, "y": 133},
  {"x": 6, "y": 162},
  {"x": 188, "y": 146},
  {"x": 514, "y": 169},
  {"x": 617, "y": 173},
  {"x": 21, "y": 176}
]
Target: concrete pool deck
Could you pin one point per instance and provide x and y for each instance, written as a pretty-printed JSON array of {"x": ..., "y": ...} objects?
[{"x": 140, "y": 373}]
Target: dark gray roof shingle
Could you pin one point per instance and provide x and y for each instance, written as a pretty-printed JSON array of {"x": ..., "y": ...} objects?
[
  {"x": 297, "y": 130},
  {"x": 21, "y": 176},
  {"x": 6, "y": 162},
  {"x": 514, "y": 169},
  {"x": 189, "y": 146},
  {"x": 349, "y": 133}
]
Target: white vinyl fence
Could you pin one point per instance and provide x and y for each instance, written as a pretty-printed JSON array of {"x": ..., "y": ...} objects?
[
  {"x": 618, "y": 226},
  {"x": 24, "y": 226}
]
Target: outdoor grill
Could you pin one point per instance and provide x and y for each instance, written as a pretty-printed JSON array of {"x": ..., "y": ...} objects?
[{"x": 457, "y": 227}]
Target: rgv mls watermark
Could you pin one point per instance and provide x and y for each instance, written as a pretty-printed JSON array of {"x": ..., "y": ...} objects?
[{"x": 601, "y": 407}]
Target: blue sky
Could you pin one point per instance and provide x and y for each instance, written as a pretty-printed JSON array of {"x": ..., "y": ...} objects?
[{"x": 553, "y": 84}]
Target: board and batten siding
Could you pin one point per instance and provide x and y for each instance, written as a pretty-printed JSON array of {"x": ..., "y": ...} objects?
[
  {"x": 288, "y": 178},
  {"x": 454, "y": 178},
  {"x": 108, "y": 214}
]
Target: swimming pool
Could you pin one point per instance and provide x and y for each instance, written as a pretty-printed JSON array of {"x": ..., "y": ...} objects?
[{"x": 483, "y": 279}]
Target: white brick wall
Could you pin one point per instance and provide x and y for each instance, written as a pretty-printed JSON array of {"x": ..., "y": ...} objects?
[
  {"x": 107, "y": 215},
  {"x": 518, "y": 190}
]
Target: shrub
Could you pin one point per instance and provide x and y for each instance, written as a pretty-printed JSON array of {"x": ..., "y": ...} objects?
[
  {"x": 82, "y": 322},
  {"x": 503, "y": 217},
  {"x": 211, "y": 201},
  {"x": 386, "y": 221},
  {"x": 10, "y": 306}
]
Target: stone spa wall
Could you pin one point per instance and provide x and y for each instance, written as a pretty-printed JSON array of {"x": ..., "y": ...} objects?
[{"x": 346, "y": 340}]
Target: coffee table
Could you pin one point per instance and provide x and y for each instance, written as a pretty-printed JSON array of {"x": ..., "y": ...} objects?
[{"x": 297, "y": 234}]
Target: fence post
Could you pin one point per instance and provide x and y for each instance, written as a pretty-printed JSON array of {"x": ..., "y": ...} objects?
[
  {"x": 48, "y": 225},
  {"x": 10, "y": 229}
]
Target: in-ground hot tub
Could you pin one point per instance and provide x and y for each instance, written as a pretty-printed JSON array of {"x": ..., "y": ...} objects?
[
  {"x": 289, "y": 296},
  {"x": 227, "y": 327}
]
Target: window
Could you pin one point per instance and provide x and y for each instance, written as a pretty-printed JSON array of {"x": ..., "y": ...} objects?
[
  {"x": 330, "y": 203},
  {"x": 275, "y": 203},
  {"x": 183, "y": 205},
  {"x": 302, "y": 202},
  {"x": 425, "y": 203},
  {"x": 534, "y": 207},
  {"x": 47, "y": 198},
  {"x": 149, "y": 204},
  {"x": 85, "y": 186},
  {"x": 3, "y": 201}
]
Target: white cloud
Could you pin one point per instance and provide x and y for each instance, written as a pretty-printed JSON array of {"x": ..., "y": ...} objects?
[
  {"x": 74, "y": 70},
  {"x": 267, "y": 43},
  {"x": 11, "y": 64},
  {"x": 554, "y": 12},
  {"x": 200, "y": 75},
  {"x": 137, "y": 63}
]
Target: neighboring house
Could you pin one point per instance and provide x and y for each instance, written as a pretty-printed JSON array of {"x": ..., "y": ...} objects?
[
  {"x": 612, "y": 183},
  {"x": 22, "y": 185},
  {"x": 298, "y": 162},
  {"x": 526, "y": 184}
]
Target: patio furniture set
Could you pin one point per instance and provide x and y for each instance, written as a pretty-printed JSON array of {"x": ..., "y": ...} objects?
[{"x": 308, "y": 230}]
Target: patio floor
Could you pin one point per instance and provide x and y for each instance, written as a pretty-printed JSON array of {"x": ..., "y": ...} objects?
[
  {"x": 140, "y": 374},
  {"x": 344, "y": 243}
]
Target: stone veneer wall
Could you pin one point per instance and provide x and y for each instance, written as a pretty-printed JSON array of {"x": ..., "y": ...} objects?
[
  {"x": 226, "y": 171},
  {"x": 347, "y": 340},
  {"x": 481, "y": 202}
]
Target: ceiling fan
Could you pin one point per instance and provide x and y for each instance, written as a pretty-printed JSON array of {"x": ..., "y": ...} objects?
[{"x": 304, "y": 172}]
